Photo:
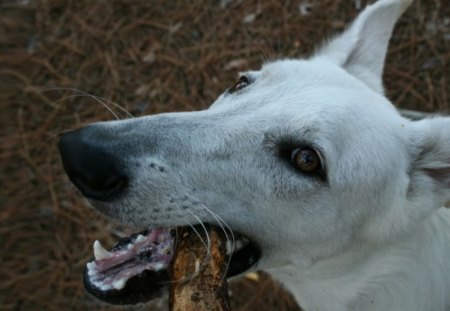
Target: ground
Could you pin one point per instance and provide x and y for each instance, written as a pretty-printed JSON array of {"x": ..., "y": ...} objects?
[{"x": 64, "y": 64}]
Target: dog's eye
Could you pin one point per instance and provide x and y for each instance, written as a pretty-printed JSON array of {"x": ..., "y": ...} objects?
[
  {"x": 307, "y": 160},
  {"x": 242, "y": 83}
]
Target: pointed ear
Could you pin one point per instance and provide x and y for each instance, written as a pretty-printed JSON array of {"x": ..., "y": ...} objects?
[
  {"x": 361, "y": 49},
  {"x": 430, "y": 171}
]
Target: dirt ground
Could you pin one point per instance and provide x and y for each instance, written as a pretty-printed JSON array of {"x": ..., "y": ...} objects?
[{"x": 64, "y": 64}]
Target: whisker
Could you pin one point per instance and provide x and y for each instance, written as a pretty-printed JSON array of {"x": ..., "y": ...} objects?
[
  {"x": 68, "y": 130},
  {"x": 206, "y": 243},
  {"x": 42, "y": 145},
  {"x": 89, "y": 96},
  {"x": 97, "y": 98},
  {"x": 233, "y": 240},
  {"x": 208, "y": 239}
]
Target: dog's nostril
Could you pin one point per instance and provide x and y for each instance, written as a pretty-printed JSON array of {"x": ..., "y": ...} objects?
[
  {"x": 111, "y": 182},
  {"x": 99, "y": 183},
  {"x": 99, "y": 188}
]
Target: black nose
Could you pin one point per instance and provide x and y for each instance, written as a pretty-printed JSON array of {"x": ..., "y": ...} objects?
[{"x": 89, "y": 159}]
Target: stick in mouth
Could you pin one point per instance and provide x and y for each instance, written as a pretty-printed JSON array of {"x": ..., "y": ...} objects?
[
  {"x": 144, "y": 266},
  {"x": 199, "y": 280}
]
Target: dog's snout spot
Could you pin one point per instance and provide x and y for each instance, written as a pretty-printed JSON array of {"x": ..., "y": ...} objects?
[{"x": 155, "y": 166}]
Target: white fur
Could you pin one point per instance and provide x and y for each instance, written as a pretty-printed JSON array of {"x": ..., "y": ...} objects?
[{"x": 373, "y": 236}]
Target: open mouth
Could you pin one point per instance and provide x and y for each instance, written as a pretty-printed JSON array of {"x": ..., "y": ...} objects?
[{"x": 137, "y": 268}]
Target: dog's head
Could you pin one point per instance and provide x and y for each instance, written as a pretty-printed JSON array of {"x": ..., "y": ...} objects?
[{"x": 302, "y": 156}]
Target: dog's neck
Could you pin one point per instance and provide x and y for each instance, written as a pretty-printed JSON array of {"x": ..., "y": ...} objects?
[{"x": 412, "y": 273}]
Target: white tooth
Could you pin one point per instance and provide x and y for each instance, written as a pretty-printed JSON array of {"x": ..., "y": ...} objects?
[
  {"x": 158, "y": 266},
  {"x": 238, "y": 245},
  {"x": 229, "y": 247},
  {"x": 91, "y": 265},
  {"x": 97, "y": 284},
  {"x": 140, "y": 238},
  {"x": 119, "y": 284},
  {"x": 99, "y": 252}
]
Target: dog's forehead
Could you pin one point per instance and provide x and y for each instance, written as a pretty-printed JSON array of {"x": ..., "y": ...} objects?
[
  {"x": 318, "y": 99},
  {"x": 312, "y": 96},
  {"x": 310, "y": 71},
  {"x": 308, "y": 88}
]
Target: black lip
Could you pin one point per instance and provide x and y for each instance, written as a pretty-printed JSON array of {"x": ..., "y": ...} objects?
[
  {"x": 150, "y": 285},
  {"x": 244, "y": 259},
  {"x": 139, "y": 289}
]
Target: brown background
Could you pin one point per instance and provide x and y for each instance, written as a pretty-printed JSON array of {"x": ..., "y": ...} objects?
[{"x": 148, "y": 56}]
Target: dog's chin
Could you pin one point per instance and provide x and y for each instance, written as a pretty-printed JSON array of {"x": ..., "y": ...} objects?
[{"x": 138, "y": 268}]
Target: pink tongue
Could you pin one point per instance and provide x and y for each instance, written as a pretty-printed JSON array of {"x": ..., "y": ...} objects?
[{"x": 158, "y": 241}]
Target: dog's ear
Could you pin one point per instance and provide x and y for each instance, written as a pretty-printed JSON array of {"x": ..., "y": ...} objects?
[
  {"x": 361, "y": 49},
  {"x": 430, "y": 169}
]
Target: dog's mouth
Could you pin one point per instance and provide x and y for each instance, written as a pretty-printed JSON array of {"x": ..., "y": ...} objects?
[{"x": 137, "y": 269}]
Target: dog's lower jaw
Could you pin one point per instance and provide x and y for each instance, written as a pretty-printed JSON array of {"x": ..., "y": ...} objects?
[{"x": 411, "y": 274}]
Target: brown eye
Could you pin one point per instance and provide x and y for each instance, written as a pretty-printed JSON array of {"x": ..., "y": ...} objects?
[
  {"x": 242, "y": 83},
  {"x": 306, "y": 160}
]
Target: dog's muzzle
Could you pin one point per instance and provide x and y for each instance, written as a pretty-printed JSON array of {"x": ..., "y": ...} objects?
[
  {"x": 97, "y": 160},
  {"x": 90, "y": 162}
]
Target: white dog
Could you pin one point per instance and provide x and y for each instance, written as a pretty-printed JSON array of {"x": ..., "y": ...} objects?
[{"x": 326, "y": 186}]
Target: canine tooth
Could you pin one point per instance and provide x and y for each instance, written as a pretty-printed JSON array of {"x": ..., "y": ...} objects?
[
  {"x": 119, "y": 284},
  {"x": 100, "y": 252},
  {"x": 140, "y": 238}
]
